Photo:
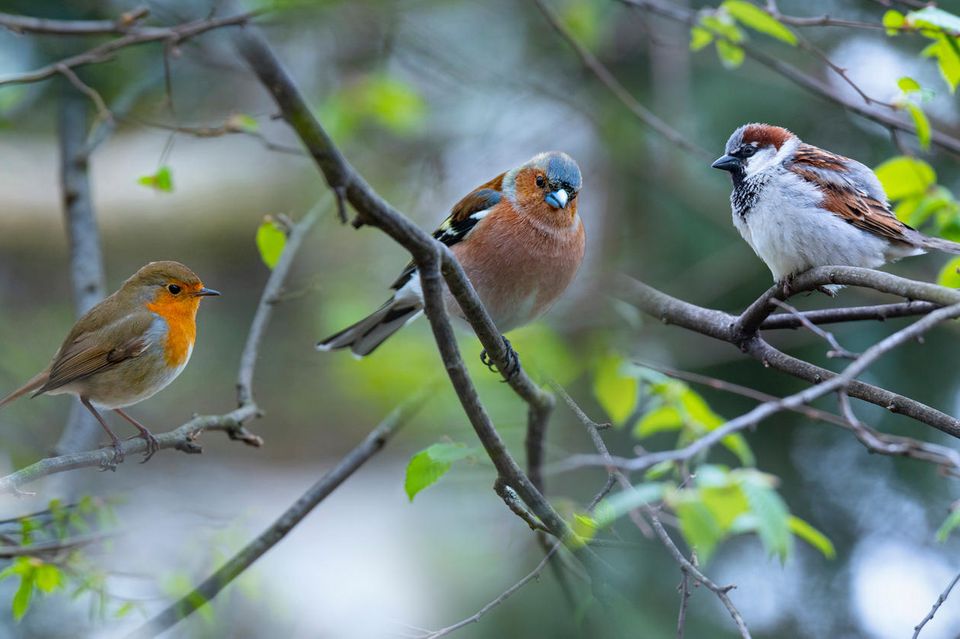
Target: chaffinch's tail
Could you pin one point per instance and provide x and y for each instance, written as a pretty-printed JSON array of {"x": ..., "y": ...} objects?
[{"x": 367, "y": 334}]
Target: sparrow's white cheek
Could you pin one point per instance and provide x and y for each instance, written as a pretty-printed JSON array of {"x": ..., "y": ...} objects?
[{"x": 760, "y": 161}]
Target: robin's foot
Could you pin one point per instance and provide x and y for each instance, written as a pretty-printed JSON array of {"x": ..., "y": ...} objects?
[
  {"x": 152, "y": 444},
  {"x": 117, "y": 452},
  {"x": 513, "y": 361}
]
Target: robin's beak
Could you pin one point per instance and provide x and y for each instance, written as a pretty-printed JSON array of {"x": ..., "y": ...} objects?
[
  {"x": 726, "y": 163},
  {"x": 557, "y": 199},
  {"x": 205, "y": 292}
]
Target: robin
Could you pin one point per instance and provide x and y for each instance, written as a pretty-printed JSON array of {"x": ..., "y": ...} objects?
[{"x": 128, "y": 347}]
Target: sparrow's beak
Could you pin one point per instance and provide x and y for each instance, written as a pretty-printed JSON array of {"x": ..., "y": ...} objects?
[
  {"x": 205, "y": 292},
  {"x": 726, "y": 163},
  {"x": 557, "y": 199}
]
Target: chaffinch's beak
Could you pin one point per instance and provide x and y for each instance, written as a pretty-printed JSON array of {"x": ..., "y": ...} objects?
[
  {"x": 205, "y": 292},
  {"x": 726, "y": 163},
  {"x": 557, "y": 199}
]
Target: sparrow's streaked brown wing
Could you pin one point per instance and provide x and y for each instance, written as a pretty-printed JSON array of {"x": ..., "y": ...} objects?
[
  {"x": 845, "y": 195},
  {"x": 463, "y": 217},
  {"x": 99, "y": 350}
]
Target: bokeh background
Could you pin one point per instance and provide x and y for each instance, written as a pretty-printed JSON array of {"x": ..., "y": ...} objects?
[{"x": 429, "y": 98}]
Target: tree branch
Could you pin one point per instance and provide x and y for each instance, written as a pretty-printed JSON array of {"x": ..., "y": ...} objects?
[
  {"x": 27, "y": 24},
  {"x": 878, "y": 312},
  {"x": 430, "y": 256},
  {"x": 270, "y": 537},
  {"x": 606, "y": 77},
  {"x": 936, "y": 606},
  {"x": 740, "y": 331}
]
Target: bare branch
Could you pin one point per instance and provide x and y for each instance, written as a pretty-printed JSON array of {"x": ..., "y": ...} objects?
[
  {"x": 838, "y": 351},
  {"x": 880, "y": 312},
  {"x": 430, "y": 257},
  {"x": 733, "y": 330},
  {"x": 761, "y": 412},
  {"x": 936, "y": 606},
  {"x": 182, "y": 439},
  {"x": 605, "y": 76},
  {"x": 270, "y": 537},
  {"x": 133, "y": 37},
  {"x": 271, "y": 289},
  {"x": 27, "y": 24}
]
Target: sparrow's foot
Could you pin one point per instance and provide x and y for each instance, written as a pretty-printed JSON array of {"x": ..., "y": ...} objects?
[
  {"x": 513, "y": 361},
  {"x": 827, "y": 290}
]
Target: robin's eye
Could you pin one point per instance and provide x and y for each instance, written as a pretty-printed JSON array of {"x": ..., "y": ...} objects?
[
  {"x": 173, "y": 288},
  {"x": 540, "y": 181},
  {"x": 747, "y": 151}
]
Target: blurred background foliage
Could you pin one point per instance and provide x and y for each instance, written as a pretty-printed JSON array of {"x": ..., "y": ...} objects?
[{"x": 429, "y": 98}]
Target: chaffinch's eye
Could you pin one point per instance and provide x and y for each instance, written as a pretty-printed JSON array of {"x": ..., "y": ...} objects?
[
  {"x": 174, "y": 289},
  {"x": 747, "y": 151},
  {"x": 541, "y": 181}
]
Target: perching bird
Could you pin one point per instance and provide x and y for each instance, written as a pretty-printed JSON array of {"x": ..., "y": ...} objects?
[
  {"x": 519, "y": 240},
  {"x": 799, "y": 206},
  {"x": 128, "y": 347}
]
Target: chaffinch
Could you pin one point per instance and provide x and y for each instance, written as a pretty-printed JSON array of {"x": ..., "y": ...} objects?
[{"x": 519, "y": 240}]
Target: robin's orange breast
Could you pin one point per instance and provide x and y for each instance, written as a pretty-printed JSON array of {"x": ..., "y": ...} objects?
[{"x": 181, "y": 318}]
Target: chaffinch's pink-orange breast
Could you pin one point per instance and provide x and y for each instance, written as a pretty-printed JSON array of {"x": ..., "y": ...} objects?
[{"x": 519, "y": 265}]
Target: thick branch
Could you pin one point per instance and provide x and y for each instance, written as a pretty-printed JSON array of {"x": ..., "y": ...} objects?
[
  {"x": 429, "y": 256},
  {"x": 270, "y": 537},
  {"x": 737, "y": 331}
]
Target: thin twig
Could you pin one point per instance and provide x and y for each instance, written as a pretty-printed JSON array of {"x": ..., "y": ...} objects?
[
  {"x": 270, "y": 537},
  {"x": 936, "y": 606},
  {"x": 879, "y": 312},
  {"x": 837, "y": 350},
  {"x": 610, "y": 81}
]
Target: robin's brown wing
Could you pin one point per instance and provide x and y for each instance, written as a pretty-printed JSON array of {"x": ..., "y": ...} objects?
[
  {"x": 846, "y": 198},
  {"x": 463, "y": 217},
  {"x": 96, "y": 351}
]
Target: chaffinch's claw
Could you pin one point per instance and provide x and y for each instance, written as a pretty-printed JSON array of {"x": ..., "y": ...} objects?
[{"x": 513, "y": 361}]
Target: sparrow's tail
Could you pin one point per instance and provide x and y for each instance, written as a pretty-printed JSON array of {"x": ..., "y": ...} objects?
[
  {"x": 367, "y": 334},
  {"x": 35, "y": 383},
  {"x": 940, "y": 244}
]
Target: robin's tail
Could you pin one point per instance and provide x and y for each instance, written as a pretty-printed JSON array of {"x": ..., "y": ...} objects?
[
  {"x": 35, "y": 383},
  {"x": 367, "y": 334}
]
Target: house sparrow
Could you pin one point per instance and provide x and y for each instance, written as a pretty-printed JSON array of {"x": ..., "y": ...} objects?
[
  {"x": 519, "y": 240},
  {"x": 798, "y": 206}
]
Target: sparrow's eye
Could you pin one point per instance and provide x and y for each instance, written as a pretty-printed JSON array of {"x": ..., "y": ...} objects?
[
  {"x": 174, "y": 289},
  {"x": 541, "y": 181},
  {"x": 747, "y": 151}
]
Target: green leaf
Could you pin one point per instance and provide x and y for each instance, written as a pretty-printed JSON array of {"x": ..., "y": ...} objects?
[
  {"x": 731, "y": 55},
  {"x": 935, "y": 17},
  {"x": 726, "y": 503},
  {"x": 271, "y": 239},
  {"x": 947, "y": 52},
  {"x": 21, "y": 600},
  {"x": 583, "y": 19},
  {"x": 771, "y": 515},
  {"x": 699, "y": 527},
  {"x": 950, "y": 274},
  {"x": 660, "y": 419},
  {"x": 584, "y": 528},
  {"x": 921, "y": 122},
  {"x": 393, "y": 103},
  {"x": 243, "y": 122},
  {"x": 812, "y": 536},
  {"x": 722, "y": 25},
  {"x": 904, "y": 176},
  {"x": 615, "y": 390},
  {"x": 432, "y": 463},
  {"x": 162, "y": 180},
  {"x": 125, "y": 610},
  {"x": 619, "y": 504},
  {"x": 699, "y": 38},
  {"x": 48, "y": 577},
  {"x": 698, "y": 410},
  {"x": 948, "y": 525},
  {"x": 893, "y": 21},
  {"x": 757, "y": 19},
  {"x": 908, "y": 85},
  {"x": 737, "y": 444}
]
